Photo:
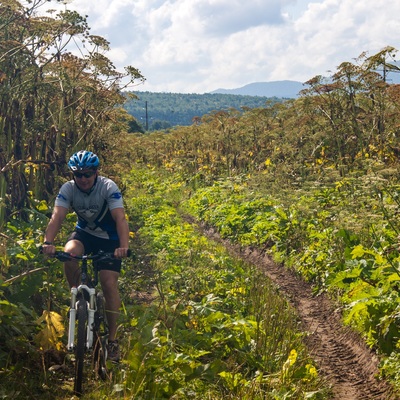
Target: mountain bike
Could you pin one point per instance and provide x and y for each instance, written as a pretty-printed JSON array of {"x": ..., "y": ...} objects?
[{"x": 88, "y": 330}]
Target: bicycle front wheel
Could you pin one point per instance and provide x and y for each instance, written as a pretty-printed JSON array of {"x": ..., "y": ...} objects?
[{"x": 82, "y": 315}]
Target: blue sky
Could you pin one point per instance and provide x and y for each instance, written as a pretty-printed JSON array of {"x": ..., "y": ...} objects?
[{"x": 197, "y": 46}]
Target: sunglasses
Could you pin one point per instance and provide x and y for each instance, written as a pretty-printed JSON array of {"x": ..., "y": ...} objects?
[{"x": 86, "y": 174}]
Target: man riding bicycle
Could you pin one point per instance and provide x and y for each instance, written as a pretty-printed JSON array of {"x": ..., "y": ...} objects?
[{"x": 101, "y": 225}]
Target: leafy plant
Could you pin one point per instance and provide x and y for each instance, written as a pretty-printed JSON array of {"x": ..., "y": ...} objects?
[{"x": 217, "y": 331}]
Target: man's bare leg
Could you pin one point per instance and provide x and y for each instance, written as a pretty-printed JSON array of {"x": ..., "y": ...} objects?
[
  {"x": 71, "y": 268},
  {"x": 109, "y": 283}
]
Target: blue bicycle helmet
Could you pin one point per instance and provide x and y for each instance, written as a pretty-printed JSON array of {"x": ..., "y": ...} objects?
[{"x": 83, "y": 160}]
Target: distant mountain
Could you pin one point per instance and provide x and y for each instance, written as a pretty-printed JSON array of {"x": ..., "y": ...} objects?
[{"x": 281, "y": 89}]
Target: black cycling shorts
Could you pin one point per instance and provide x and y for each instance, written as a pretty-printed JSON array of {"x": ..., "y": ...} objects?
[{"x": 93, "y": 245}]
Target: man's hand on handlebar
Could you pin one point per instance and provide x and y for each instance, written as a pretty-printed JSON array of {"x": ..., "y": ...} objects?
[
  {"x": 48, "y": 249},
  {"x": 121, "y": 252}
]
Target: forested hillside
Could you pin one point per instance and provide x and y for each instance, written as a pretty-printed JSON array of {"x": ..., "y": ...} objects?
[
  {"x": 155, "y": 111},
  {"x": 311, "y": 183}
]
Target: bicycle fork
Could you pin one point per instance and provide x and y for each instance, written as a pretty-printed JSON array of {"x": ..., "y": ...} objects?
[{"x": 72, "y": 315}]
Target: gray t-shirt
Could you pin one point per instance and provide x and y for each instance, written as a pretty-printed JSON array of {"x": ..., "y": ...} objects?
[{"x": 93, "y": 209}]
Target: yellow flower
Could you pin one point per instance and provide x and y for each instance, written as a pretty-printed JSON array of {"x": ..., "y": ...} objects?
[
  {"x": 292, "y": 357},
  {"x": 311, "y": 370}
]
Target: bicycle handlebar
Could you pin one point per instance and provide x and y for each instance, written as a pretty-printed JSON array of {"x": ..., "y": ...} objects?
[{"x": 64, "y": 256}]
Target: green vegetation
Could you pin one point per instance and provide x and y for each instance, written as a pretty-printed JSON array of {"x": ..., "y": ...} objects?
[
  {"x": 214, "y": 331},
  {"x": 350, "y": 255},
  {"x": 313, "y": 182},
  {"x": 165, "y": 110},
  {"x": 209, "y": 329}
]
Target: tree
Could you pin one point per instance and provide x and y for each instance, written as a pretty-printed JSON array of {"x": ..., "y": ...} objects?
[{"x": 52, "y": 102}]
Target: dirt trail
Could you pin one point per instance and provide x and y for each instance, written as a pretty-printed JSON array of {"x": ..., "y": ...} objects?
[{"x": 344, "y": 360}]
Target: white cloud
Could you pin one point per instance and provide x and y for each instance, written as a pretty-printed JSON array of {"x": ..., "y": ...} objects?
[{"x": 202, "y": 45}]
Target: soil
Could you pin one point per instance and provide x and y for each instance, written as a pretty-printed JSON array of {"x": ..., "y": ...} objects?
[{"x": 347, "y": 364}]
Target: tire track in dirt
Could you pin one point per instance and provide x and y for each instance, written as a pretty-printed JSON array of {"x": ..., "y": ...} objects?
[{"x": 343, "y": 359}]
